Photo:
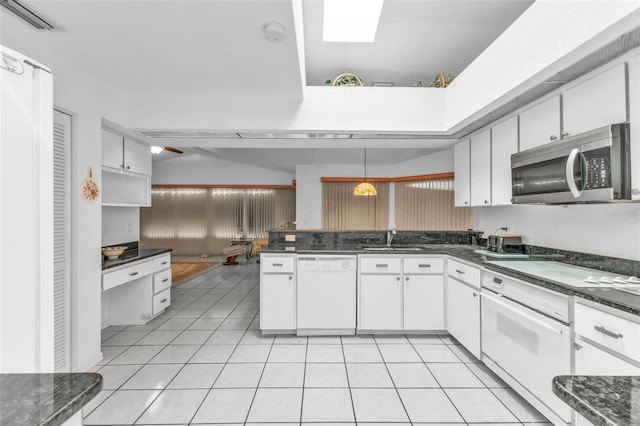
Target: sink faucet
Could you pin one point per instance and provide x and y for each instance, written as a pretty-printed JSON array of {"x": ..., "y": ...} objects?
[{"x": 390, "y": 235}]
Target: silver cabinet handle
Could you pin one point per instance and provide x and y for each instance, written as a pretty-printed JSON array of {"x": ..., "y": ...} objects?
[
  {"x": 486, "y": 201},
  {"x": 424, "y": 265},
  {"x": 553, "y": 137},
  {"x": 165, "y": 280},
  {"x": 460, "y": 271},
  {"x": 133, "y": 274},
  {"x": 164, "y": 263},
  {"x": 406, "y": 278},
  {"x": 475, "y": 294},
  {"x": 277, "y": 264},
  {"x": 382, "y": 265},
  {"x": 564, "y": 134},
  {"x": 606, "y": 332},
  {"x": 163, "y": 300},
  {"x": 290, "y": 278},
  {"x": 398, "y": 278},
  {"x": 577, "y": 347}
]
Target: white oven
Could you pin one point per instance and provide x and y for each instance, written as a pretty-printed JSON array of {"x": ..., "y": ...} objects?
[{"x": 525, "y": 333}]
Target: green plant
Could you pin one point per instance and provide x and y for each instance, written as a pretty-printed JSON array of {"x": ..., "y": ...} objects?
[{"x": 346, "y": 79}]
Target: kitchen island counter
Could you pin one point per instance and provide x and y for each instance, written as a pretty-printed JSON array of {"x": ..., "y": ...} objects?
[
  {"x": 603, "y": 400},
  {"x": 45, "y": 399}
]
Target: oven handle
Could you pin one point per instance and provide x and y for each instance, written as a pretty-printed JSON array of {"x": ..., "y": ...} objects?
[
  {"x": 569, "y": 173},
  {"x": 521, "y": 313}
]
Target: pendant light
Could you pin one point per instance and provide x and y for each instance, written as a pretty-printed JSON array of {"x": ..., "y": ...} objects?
[{"x": 365, "y": 188}]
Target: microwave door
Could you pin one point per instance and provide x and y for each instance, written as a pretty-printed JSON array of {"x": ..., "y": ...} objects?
[{"x": 548, "y": 180}]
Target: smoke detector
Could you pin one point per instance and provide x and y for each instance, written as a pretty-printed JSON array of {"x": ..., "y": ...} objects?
[{"x": 274, "y": 31}]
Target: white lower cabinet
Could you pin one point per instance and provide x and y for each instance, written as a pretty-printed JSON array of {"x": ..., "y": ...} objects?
[
  {"x": 424, "y": 302},
  {"x": 463, "y": 314},
  {"x": 137, "y": 292},
  {"x": 380, "y": 302},
  {"x": 277, "y": 293}
]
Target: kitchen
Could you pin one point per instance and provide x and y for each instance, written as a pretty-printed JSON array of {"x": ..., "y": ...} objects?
[{"x": 92, "y": 100}]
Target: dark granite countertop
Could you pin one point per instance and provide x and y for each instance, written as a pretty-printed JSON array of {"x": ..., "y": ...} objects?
[
  {"x": 603, "y": 400},
  {"x": 610, "y": 297},
  {"x": 45, "y": 399},
  {"x": 133, "y": 256}
]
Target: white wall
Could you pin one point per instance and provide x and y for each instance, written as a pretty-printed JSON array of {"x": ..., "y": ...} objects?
[
  {"x": 120, "y": 225},
  {"x": 200, "y": 169},
  {"x": 603, "y": 229},
  {"x": 309, "y": 187},
  {"x": 88, "y": 100}
]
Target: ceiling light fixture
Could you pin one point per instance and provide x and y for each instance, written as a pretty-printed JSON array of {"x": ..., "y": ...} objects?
[
  {"x": 156, "y": 149},
  {"x": 274, "y": 31},
  {"x": 365, "y": 189},
  {"x": 351, "y": 20}
]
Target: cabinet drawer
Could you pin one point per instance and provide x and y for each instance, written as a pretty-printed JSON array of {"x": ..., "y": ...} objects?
[
  {"x": 464, "y": 273},
  {"x": 121, "y": 276},
  {"x": 162, "y": 262},
  {"x": 615, "y": 333},
  {"x": 161, "y": 301},
  {"x": 591, "y": 360},
  {"x": 161, "y": 281},
  {"x": 380, "y": 265},
  {"x": 277, "y": 264},
  {"x": 423, "y": 265}
]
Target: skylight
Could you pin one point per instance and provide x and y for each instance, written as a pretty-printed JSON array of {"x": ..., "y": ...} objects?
[{"x": 351, "y": 20}]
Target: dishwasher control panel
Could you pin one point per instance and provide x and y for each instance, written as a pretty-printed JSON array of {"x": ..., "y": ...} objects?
[{"x": 326, "y": 263}]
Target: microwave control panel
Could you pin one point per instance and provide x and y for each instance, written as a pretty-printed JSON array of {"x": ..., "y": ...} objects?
[{"x": 597, "y": 169}]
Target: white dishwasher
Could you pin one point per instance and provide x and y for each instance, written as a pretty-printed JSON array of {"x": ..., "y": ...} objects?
[{"x": 326, "y": 295}]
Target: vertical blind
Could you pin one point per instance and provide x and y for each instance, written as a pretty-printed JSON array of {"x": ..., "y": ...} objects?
[
  {"x": 429, "y": 205},
  {"x": 194, "y": 221},
  {"x": 341, "y": 210}
]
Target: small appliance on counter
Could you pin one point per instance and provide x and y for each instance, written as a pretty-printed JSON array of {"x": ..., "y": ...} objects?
[{"x": 505, "y": 243}]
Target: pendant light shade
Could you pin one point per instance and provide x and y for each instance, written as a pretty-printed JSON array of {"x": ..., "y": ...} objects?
[{"x": 365, "y": 188}]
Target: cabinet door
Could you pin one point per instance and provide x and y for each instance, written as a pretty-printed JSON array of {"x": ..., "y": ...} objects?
[
  {"x": 112, "y": 150},
  {"x": 277, "y": 302},
  {"x": 424, "y": 302},
  {"x": 463, "y": 315},
  {"x": 595, "y": 103},
  {"x": 462, "y": 174},
  {"x": 591, "y": 360},
  {"x": 634, "y": 117},
  {"x": 380, "y": 302},
  {"x": 540, "y": 124},
  {"x": 137, "y": 157},
  {"x": 504, "y": 142},
  {"x": 480, "y": 148}
]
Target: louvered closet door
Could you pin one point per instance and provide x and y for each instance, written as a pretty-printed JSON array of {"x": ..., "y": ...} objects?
[{"x": 61, "y": 248}]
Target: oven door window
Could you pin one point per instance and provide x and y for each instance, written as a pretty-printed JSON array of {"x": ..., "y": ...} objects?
[{"x": 545, "y": 177}]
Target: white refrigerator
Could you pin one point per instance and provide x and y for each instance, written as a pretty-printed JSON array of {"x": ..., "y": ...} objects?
[{"x": 26, "y": 215}]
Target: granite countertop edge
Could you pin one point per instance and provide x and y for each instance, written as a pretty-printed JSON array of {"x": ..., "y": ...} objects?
[
  {"x": 466, "y": 252},
  {"x": 143, "y": 254},
  {"x": 68, "y": 394},
  {"x": 611, "y": 407}
]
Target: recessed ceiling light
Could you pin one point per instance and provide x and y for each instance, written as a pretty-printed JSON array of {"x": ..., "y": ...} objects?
[{"x": 351, "y": 20}]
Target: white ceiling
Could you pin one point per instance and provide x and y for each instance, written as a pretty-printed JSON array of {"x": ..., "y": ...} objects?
[{"x": 217, "y": 48}]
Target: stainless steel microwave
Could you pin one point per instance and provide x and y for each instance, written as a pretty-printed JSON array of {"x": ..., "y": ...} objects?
[{"x": 590, "y": 167}]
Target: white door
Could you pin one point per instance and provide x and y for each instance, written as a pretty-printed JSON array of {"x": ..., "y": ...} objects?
[
  {"x": 423, "y": 302},
  {"x": 504, "y": 142},
  {"x": 481, "y": 169},
  {"x": 540, "y": 124},
  {"x": 61, "y": 240},
  {"x": 463, "y": 315},
  {"x": 277, "y": 302},
  {"x": 462, "y": 174},
  {"x": 137, "y": 157},
  {"x": 380, "y": 302}
]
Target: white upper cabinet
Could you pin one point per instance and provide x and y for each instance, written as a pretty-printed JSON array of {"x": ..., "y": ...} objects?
[
  {"x": 634, "y": 118},
  {"x": 462, "y": 174},
  {"x": 597, "y": 102},
  {"x": 137, "y": 157},
  {"x": 540, "y": 124},
  {"x": 480, "y": 148},
  {"x": 504, "y": 142},
  {"x": 112, "y": 146}
]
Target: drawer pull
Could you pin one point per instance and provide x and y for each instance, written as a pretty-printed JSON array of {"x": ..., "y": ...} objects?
[
  {"x": 475, "y": 294},
  {"x": 577, "y": 346},
  {"x": 164, "y": 263},
  {"x": 382, "y": 265},
  {"x": 165, "y": 280},
  {"x": 133, "y": 274},
  {"x": 277, "y": 264},
  {"x": 424, "y": 265},
  {"x": 163, "y": 300},
  {"x": 460, "y": 271},
  {"x": 607, "y": 332}
]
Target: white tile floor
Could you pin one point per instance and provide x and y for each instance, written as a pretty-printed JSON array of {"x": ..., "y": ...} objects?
[{"x": 204, "y": 361}]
